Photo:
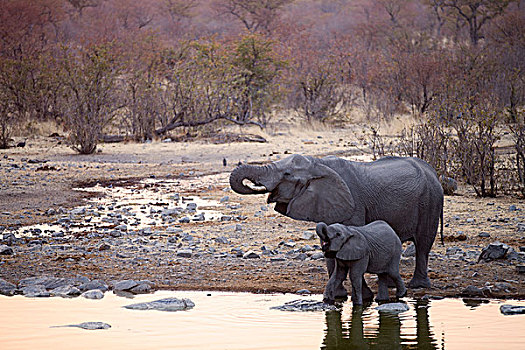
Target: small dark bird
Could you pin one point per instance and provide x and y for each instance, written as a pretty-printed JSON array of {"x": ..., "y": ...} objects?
[
  {"x": 21, "y": 143},
  {"x": 224, "y": 162}
]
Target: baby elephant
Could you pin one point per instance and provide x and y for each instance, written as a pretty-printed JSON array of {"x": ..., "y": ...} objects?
[{"x": 374, "y": 248}]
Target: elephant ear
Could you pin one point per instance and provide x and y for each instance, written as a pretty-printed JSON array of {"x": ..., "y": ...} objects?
[
  {"x": 354, "y": 248},
  {"x": 324, "y": 197},
  {"x": 322, "y": 231}
]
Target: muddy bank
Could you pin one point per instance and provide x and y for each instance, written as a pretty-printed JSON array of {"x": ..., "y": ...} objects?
[{"x": 246, "y": 247}]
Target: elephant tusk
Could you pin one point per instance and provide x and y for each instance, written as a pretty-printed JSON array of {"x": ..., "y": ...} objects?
[{"x": 254, "y": 187}]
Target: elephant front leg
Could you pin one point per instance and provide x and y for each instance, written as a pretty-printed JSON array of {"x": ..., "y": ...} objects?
[
  {"x": 356, "y": 277},
  {"x": 340, "y": 291},
  {"x": 337, "y": 278},
  {"x": 382, "y": 290}
]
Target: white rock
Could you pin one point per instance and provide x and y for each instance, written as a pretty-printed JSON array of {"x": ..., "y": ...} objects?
[{"x": 393, "y": 307}]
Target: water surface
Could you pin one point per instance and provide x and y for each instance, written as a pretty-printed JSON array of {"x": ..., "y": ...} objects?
[{"x": 245, "y": 321}]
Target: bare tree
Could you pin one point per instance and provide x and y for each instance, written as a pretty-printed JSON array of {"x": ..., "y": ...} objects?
[
  {"x": 80, "y": 5},
  {"x": 257, "y": 16},
  {"x": 476, "y": 13},
  {"x": 90, "y": 93},
  {"x": 179, "y": 9}
]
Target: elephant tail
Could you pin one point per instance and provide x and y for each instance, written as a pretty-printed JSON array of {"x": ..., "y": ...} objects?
[{"x": 441, "y": 219}]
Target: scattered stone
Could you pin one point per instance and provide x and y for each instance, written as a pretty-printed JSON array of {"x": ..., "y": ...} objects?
[
  {"x": 453, "y": 250},
  {"x": 301, "y": 257},
  {"x": 507, "y": 309},
  {"x": 432, "y": 297},
  {"x": 393, "y": 307},
  {"x": 484, "y": 235},
  {"x": 142, "y": 288},
  {"x": 187, "y": 237},
  {"x": 512, "y": 207},
  {"x": 115, "y": 233},
  {"x": 308, "y": 235},
  {"x": 35, "y": 291},
  {"x": 48, "y": 282},
  {"x": 94, "y": 294},
  {"x": 222, "y": 240},
  {"x": 78, "y": 211},
  {"x": 460, "y": 237},
  {"x": 305, "y": 305},
  {"x": 303, "y": 292},
  {"x": 6, "y": 250},
  {"x": 184, "y": 253},
  {"x": 90, "y": 326},
  {"x": 9, "y": 238},
  {"x": 95, "y": 284},
  {"x": 224, "y": 199},
  {"x": 307, "y": 248},
  {"x": 191, "y": 206},
  {"x": 410, "y": 250},
  {"x": 494, "y": 251},
  {"x": 65, "y": 291},
  {"x": 251, "y": 255},
  {"x": 449, "y": 185},
  {"x": 520, "y": 268},
  {"x": 199, "y": 217},
  {"x": 125, "y": 285},
  {"x": 7, "y": 288},
  {"x": 473, "y": 291},
  {"x": 238, "y": 252},
  {"x": 317, "y": 256},
  {"x": 167, "y": 304},
  {"x": 410, "y": 261},
  {"x": 103, "y": 246}
]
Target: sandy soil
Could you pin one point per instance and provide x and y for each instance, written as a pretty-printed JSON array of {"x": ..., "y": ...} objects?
[{"x": 45, "y": 173}]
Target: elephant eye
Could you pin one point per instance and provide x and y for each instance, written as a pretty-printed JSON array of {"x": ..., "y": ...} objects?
[{"x": 286, "y": 173}]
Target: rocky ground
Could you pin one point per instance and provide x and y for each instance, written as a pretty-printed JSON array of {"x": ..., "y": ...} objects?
[{"x": 138, "y": 219}]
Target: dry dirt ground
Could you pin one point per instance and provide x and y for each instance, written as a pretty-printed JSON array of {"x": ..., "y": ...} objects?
[{"x": 30, "y": 187}]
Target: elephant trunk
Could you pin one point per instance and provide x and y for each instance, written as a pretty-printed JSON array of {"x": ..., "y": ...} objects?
[{"x": 255, "y": 174}]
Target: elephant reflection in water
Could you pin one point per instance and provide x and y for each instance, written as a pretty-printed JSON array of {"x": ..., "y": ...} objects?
[{"x": 350, "y": 334}]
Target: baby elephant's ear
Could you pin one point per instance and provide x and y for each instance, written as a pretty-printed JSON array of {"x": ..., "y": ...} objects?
[
  {"x": 322, "y": 231},
  {"x": 354, "y": 248}
]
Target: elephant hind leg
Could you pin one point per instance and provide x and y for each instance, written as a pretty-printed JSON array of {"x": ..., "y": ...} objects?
[
  {"x": 423, "y": 240},
  {"x": 420, "y": 278},
  {"x": 367, "y": 293},
  {"x": 401, "y": 290}
]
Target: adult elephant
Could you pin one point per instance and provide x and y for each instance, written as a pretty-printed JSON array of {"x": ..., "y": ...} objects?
[{"x": 404, "y": 192}]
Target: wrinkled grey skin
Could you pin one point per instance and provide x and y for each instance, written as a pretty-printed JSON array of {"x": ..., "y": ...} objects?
[
  {"x": 404, "y": 192},
  {"x": 374, "y": 248}
]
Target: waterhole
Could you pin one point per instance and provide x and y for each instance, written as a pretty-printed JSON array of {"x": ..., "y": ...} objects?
[
  {"x": 246, "y": 321},
  {"x": 129, "y": 207}
]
